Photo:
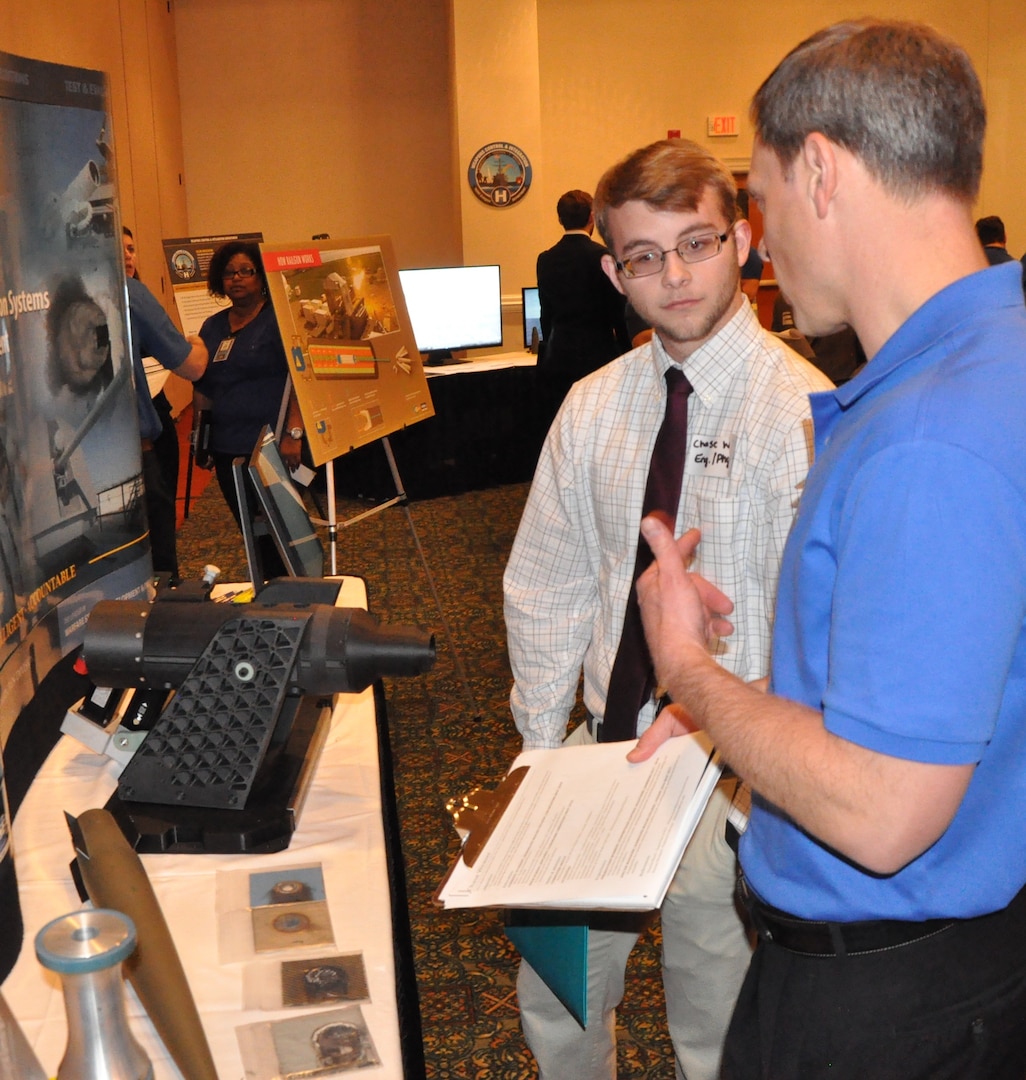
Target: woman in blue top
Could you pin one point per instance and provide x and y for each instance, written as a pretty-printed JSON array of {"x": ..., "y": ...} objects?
[{"x": 247, "y": 378}]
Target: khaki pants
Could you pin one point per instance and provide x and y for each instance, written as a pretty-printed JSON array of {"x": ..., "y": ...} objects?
[{"x": 706, "y": 951}]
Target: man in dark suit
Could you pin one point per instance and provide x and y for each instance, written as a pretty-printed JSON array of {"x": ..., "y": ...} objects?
[
  {"x": 582, "y": 314},
  {"x": 991, "y": 231}
]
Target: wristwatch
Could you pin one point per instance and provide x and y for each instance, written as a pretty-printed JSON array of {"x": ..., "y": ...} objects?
[{"x": 295, "y": 432}]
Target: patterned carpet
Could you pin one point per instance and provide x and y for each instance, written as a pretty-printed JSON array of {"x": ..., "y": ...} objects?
[{"x": 451, "y": 730}]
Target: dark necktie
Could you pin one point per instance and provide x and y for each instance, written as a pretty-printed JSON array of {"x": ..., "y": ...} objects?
[{"x": 632, "y": 679}]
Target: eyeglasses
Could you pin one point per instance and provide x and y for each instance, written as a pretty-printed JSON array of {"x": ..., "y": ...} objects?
[
  {"x": 243, "y": 272},
  {"x": 694, "y": 249}
]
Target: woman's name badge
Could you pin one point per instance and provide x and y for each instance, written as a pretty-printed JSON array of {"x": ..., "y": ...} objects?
[{"x": 223, "y": 350}]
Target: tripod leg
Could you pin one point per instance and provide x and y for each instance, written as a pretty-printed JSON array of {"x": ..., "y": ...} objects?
[{"x": 332, "y": 518}]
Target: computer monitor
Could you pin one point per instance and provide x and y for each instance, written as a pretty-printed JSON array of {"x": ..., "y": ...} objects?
[
  {"x": 453, "y": 308},
  {"x": 287, "y": 520},
  {"x": 532, "y": 318}
]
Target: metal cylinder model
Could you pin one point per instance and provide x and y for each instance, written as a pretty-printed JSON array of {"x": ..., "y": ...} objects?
[
  {"x": 86, "y": 949},
  {"x": 343, "y": 650}
]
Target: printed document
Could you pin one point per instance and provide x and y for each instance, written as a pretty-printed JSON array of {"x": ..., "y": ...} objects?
[{"x": 587, "y": 829}]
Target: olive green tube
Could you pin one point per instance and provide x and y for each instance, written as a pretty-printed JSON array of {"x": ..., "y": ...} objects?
[{"x": 114, "y": 877}]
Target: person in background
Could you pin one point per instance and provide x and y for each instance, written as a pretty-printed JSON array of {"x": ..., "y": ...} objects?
[
  {"x": 582, "y": 315},
  {"x": 884, "y": 865},
  {"x": 668, "y": 214},
  {"x": 166, "y": 443},
  {"x": 154, "y": 334},
  {"x": 839, "y": 355},
  {"x": 751, "y": 272},
  {"x": 991, "y": 231},
  {"x": 247, "y": 380}
]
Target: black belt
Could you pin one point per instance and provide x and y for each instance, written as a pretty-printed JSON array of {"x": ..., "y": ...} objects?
[{"x": 813, "y": 938}]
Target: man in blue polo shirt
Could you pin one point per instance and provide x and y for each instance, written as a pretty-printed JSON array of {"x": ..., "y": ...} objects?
[
  {"x": 885, "y": 863},
  {"x": 154, "y": 334}
]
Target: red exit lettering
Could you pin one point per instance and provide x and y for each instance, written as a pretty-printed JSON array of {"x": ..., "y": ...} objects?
[{"x": 721, "y": 125}]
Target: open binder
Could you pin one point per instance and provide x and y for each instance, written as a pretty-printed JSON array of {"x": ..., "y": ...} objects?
[
  {"x": 578, "y": 829},
  {"x": 581, "y": 827}
]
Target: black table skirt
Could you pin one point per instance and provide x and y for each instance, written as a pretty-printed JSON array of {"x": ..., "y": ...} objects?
[{"x": 487, "y": 429}]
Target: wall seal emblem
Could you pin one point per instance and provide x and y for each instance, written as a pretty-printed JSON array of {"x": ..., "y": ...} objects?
[{"x": 499, "y": 174}]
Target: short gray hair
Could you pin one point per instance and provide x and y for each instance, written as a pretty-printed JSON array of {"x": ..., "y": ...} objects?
[{"x": 899, "y": 96}]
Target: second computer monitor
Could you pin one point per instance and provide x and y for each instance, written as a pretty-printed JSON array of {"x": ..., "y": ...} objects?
[
  {"x": 532, "y": 318},
  {"x": 287, "y": 520}
]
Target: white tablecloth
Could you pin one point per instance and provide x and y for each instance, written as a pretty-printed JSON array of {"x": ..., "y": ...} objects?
[{"x": 340, "y": 827}]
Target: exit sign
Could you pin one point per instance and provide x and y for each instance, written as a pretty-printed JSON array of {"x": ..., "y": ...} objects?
[{"x": 721, "y": 125}]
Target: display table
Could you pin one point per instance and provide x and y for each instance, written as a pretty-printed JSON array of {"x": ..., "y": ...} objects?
[
  {"x": 344, "y": 826},
  {"x": 487, "y": 429},
  {"x": 496, "y": 362}
]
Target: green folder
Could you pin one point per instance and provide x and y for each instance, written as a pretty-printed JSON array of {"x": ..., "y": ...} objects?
[{"x": 555, "y": 944}]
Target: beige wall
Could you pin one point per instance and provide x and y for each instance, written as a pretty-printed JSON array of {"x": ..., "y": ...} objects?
[
  {"x": 614, "y": 76},
  {"x": 1003, "y": 68},
  {"x": 133, "y": 42},
  {"x": 353, "y": 116},
  {"x": 313, "y": 116},
  {"x": 496, "y": 91},
  {"x": 359, "y": 116}
]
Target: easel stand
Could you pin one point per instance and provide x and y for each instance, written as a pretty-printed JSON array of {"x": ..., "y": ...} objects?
[{"x": 399, "y": 499}]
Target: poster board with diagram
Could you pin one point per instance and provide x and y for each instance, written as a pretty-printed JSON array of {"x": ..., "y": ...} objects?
[{"x": 355, "y": 367}]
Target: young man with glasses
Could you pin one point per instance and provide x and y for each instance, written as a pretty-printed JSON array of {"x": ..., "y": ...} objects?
[
  {"x": 668, "y": 214},
  {"x": 885, "y": 863}
]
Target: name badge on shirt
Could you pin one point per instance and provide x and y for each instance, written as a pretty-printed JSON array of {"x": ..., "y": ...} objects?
[
  {"x": 223, "y": 350},
  {"x": 709, "y": 455}
]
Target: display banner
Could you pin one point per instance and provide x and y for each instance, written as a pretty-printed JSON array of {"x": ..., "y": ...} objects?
[
  {"x": 355, "y": 366},
  {"x": 72, "y": 516}
]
